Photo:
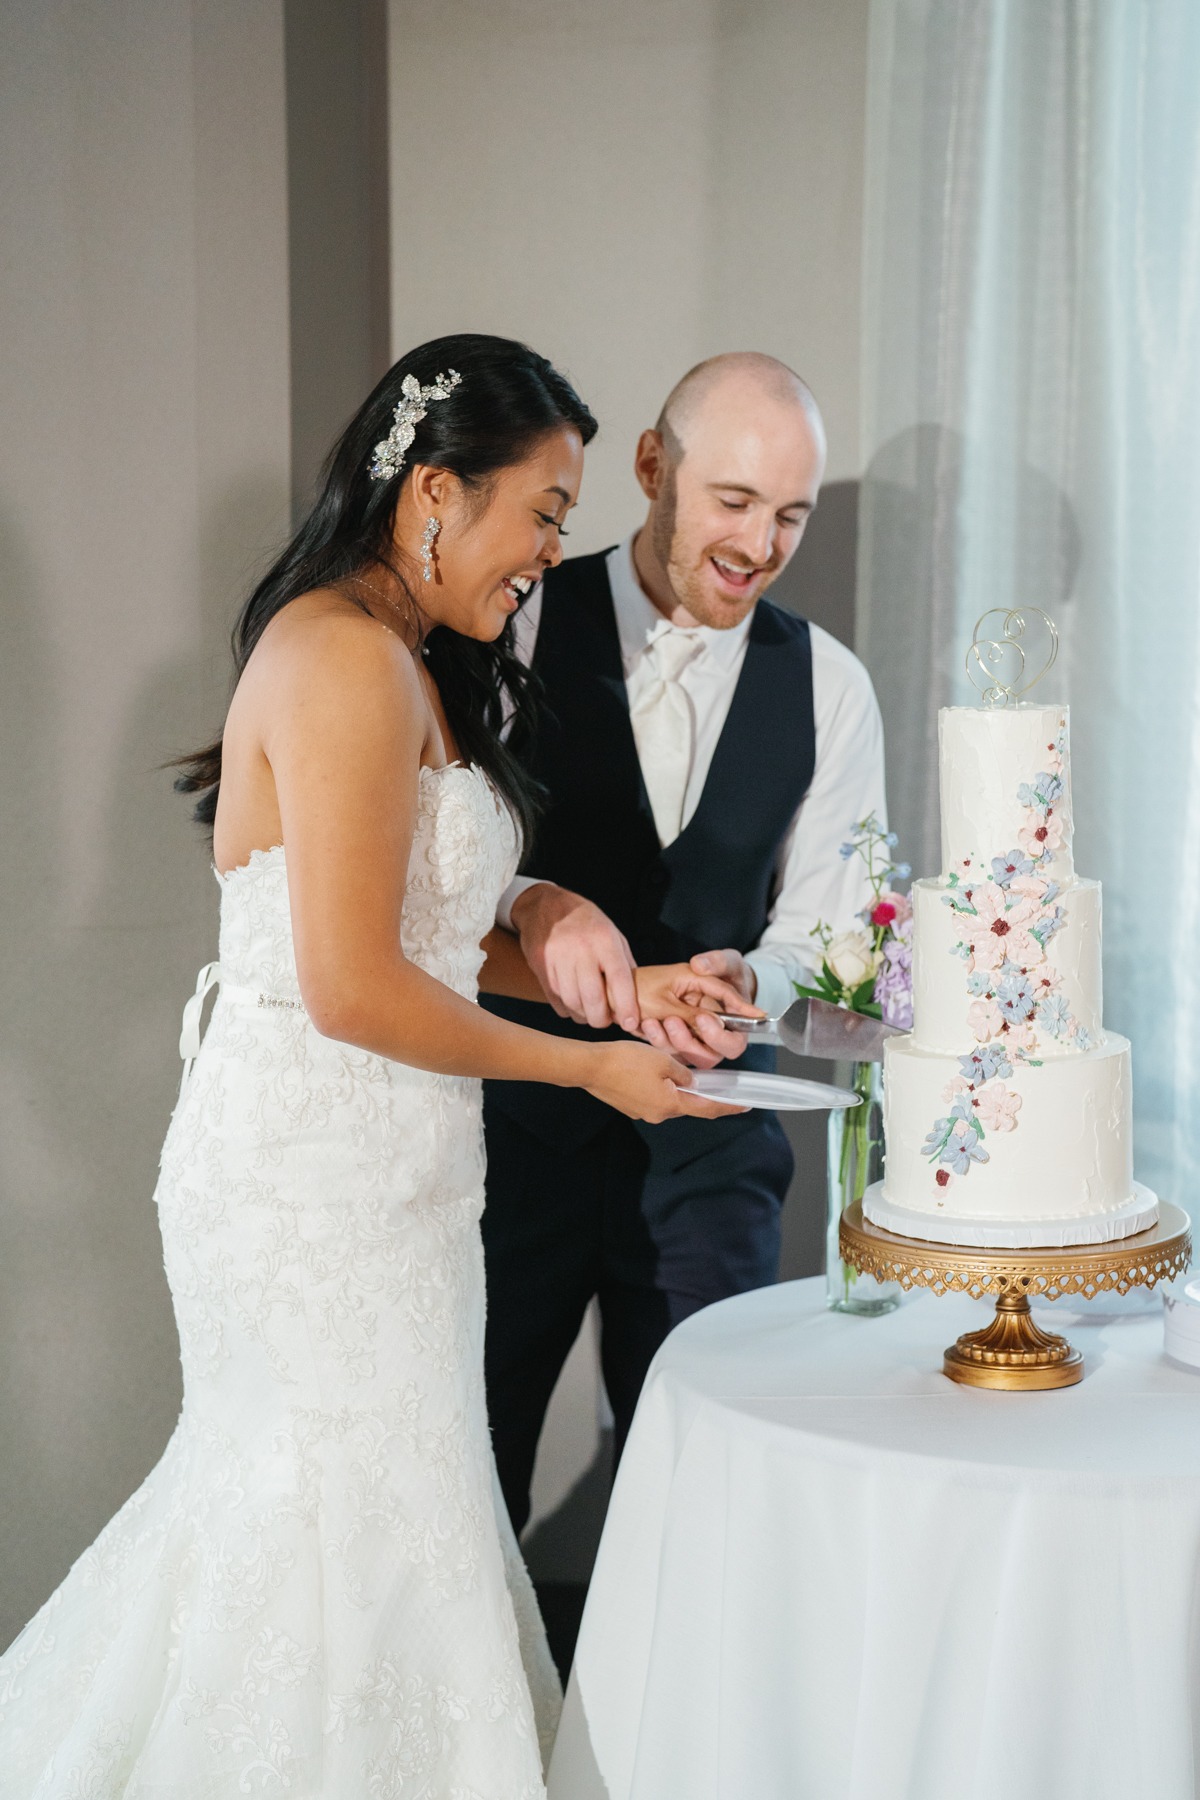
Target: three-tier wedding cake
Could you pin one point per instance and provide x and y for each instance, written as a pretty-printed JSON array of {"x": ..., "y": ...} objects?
[{"x": 1007, "y": 1109}]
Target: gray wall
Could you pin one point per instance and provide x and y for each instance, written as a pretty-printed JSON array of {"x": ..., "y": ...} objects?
[
  {"x": 143, "y": 468},
  {"x": 337, "y": 179}
]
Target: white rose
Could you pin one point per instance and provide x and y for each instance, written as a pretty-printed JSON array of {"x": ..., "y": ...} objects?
[{"x": 852, "y": 958}]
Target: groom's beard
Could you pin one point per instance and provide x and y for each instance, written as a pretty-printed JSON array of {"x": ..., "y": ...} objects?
[{"x": 687, "y": 576}]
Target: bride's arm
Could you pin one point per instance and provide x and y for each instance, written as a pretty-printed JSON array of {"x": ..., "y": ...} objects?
[
  {"x": 505, "y": 970},
  {"x": 343, "y": 727}
]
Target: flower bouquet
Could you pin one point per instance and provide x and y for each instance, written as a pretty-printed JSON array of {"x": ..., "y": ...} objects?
[{"x": 868, "y": 970}]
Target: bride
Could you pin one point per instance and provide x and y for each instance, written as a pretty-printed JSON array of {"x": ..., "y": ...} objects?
[{"x": 316, "y": 1592}]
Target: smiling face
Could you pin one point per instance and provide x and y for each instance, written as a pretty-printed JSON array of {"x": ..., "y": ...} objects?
[
  {"x": 495, "y": 543},
  {"x": 731, "y": 487}
]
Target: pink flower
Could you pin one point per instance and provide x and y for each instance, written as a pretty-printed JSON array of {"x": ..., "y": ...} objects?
[
  {"x": 998, "y": 934},
  {"x": 901, "y": 906},
  {"x": 953, "y": 1088},
  {"x": 1022, "y": 1037},
  {"x": 985, "y": 1019},
  {"x": 882, "y": 913},
  {"x": 1041, "y": 837},
  {"x": 998, "y": 1107}
]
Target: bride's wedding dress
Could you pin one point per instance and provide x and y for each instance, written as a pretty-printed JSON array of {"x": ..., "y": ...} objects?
[{"x": 316, "y": 1593}]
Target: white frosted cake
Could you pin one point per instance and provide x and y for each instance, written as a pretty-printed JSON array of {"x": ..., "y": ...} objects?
[{"x": 1007, "y": 1109}]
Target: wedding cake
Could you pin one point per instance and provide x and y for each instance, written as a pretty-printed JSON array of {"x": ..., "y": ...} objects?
[{"x": 1007, "y": 1108}]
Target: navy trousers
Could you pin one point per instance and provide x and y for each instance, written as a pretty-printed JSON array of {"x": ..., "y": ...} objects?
[{"x": 654, "y": 1221}]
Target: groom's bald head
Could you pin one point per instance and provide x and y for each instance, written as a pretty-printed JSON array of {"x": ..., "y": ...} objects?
[
  {"x": 726, "y": 383},
  {"x": 731, "y": 470}
]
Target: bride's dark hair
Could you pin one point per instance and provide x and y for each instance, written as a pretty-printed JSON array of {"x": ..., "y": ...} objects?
[{"x": 509, "y": 397}]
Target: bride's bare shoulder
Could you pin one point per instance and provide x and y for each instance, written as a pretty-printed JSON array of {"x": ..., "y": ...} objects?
[{"x": 321, "y": 638}]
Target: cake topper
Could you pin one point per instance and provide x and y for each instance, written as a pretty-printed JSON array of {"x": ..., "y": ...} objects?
[{"x": 1004, "y": 661}]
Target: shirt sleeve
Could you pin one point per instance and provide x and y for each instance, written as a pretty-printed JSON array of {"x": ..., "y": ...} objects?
[
  {"x": 508, "y": 899},
  {"x": 525, "y": 632},
  {"x": 812, "y": 881}
]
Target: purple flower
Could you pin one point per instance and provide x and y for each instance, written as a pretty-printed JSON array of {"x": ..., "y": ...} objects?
[{"x": 893, "y": 983}]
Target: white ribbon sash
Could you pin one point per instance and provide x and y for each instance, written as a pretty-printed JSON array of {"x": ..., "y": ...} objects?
[{"x": 209, "y": 978}]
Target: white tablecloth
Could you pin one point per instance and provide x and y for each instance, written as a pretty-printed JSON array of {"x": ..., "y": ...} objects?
[{"x": 829, "y": 1573}]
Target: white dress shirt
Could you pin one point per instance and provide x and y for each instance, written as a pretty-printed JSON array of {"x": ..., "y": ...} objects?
[{"x": 811, "y": 879}]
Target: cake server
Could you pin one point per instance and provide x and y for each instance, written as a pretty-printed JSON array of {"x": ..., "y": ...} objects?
[{"x": 818, "y": 1028}]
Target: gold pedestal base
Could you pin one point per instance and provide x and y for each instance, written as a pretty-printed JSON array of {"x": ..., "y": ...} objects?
[{"x": 1014, "y": 1352}]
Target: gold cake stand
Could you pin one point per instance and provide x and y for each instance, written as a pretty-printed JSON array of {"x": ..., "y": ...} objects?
[{"x": 1014, "y": 1352}]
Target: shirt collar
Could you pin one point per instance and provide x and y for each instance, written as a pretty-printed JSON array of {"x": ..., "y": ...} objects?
[{"x": 639, "y": 620}]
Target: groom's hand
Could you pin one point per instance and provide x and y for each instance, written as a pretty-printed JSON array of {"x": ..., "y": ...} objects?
[{"x": 584, "y": 964}]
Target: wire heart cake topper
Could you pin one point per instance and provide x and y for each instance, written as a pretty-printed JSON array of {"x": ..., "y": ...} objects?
[{"x": 1003, "y": 661}]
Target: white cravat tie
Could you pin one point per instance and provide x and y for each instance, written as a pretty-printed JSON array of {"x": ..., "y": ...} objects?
[{"x": 663, "y": 730}]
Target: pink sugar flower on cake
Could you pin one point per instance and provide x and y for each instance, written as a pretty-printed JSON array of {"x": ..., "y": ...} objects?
[
  {"x": 954, "y": 1088},
  {"x": 1042, "y": 836},
  {"x": 985, "y": 1020},
  {"x": 998, "y": 1107},
  {"x": 1022, "y": 1038},
  {"x": 998, "y": 933}
]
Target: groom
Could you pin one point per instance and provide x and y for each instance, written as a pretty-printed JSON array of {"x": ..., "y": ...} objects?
[{"x": 705, "y": 754}]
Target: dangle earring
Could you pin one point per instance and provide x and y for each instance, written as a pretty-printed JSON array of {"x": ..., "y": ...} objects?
[{"x": 432, "y": 527}]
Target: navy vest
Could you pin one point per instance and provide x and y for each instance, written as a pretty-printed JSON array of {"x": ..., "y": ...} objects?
[{"x": 710, "y": 888}]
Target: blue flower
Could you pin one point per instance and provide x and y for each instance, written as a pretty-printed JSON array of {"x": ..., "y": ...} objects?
[
  {"x": 936, "y": 1138},
  {"x": 978, "y": 982},
  {"x": 1046, "y": 927},
  {"x": 847, "y": 851},
  {"x": 961, "y": 1149},
  {"x": 1084, "y": 1039},
  {"x": 1008, "y": 969},
  {"x": 1054, "y": 1015},
  {"x": 1015, "y": 998},
  {"x": 902, "y": 871},
  {"x": 985, "y": 1062},
  {"x": 1015, "y": 863},
  {"x": 891, "y": 840},
  {"x": 963, "y": 1108},
  {"x": 1041, "y": 792}
]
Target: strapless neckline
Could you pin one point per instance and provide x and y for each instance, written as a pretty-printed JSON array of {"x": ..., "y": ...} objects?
[{"x": 257, "y": 858}]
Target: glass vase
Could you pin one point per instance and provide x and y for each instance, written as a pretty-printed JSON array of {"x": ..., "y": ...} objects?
[{"x": 855, "y": 1160}]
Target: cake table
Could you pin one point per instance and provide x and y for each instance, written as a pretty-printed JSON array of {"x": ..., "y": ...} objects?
[{"x": 827, "y": 1571}]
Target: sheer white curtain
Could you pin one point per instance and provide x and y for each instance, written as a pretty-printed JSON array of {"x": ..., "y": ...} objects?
[{"x": 1032, "y": 423}]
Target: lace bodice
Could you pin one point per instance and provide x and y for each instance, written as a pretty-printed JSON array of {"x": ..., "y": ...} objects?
[{"x": 464, "y": 853}]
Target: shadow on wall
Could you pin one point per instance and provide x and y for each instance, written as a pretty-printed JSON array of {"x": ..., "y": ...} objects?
[
  {"x": 917, "y": 589},
  {"x": 89, "y": 1067}
]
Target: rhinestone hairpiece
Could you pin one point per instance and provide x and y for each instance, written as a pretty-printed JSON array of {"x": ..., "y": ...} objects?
[{"x": 391, "y": 451}]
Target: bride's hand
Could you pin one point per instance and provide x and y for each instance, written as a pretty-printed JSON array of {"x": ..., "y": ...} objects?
[
  {"x": 679, "y": 1014},
  {"x": 677, "y": 991},
  {"x": 648, "y": 1084}
]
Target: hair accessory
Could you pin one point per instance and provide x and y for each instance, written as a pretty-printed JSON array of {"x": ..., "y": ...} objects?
[
  {"x": 390, "y": 452},
  {"x": 432, "y": 527}
]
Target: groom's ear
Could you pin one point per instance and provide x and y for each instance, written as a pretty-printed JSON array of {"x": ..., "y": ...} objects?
[{"x": 650, "y": 463}]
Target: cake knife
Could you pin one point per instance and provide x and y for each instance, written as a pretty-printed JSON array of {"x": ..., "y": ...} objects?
[{"x": 818, "y": 1028}]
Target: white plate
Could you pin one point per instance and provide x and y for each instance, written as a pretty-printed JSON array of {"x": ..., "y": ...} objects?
[{"x": 782, "y": 1093}]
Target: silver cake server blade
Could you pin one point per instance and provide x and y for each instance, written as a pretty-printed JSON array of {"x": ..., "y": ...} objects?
[{"x": 818, "y": 1028}]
